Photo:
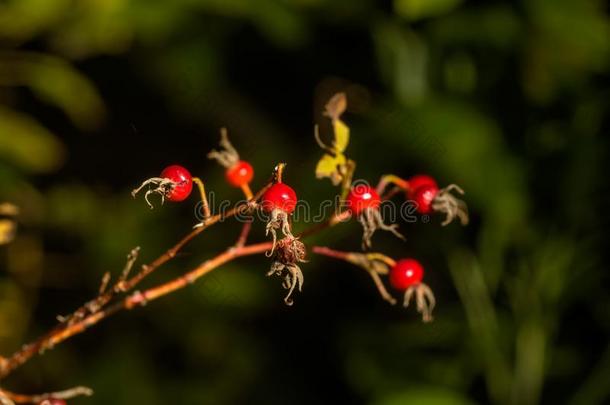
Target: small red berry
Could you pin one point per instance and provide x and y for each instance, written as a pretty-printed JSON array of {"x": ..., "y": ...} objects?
[
  {"x": 406, "y": 273},
  {"x": 417, "y": 181},
  {"x": 423, "y": 197},
  {"x": 183, "y": 180},
  {"x": 240, "y": 174},
  {"x": 279, "y": 196},
  {"x": 362, "y": 197}
]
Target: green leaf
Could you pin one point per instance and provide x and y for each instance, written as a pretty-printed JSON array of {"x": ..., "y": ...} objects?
[{"x": 27, "y": 144}]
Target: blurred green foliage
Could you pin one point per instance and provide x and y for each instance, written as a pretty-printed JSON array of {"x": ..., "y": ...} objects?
[{"x": 509, "y": 99}]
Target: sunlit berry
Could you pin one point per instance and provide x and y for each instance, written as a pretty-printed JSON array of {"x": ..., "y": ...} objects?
[
  {"x": 174, "y": 183},
  {"x": 418, "y": 181},
  {"x": 182, "y": 182},
  {"x": 406, "y": 273},
  {"x": 362, "y": 197},
  {"x": 239, "y": 174},
  {"x": 424, "y": 197},
  {"x": 279, "y": 196}
]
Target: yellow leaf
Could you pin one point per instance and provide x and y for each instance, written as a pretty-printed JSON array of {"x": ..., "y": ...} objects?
[
  {"x": 341, "y": 136},
  {"x": 329, "y": 166}
]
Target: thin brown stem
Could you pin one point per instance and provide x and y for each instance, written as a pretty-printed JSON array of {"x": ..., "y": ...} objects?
[
  {"x": 243, "y": 236},
  {"x": 204, "y": 199},
  {"x": 37, "y": 399}
]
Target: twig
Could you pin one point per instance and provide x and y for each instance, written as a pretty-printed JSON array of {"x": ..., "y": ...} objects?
[
  {"x": 36, "y": 399},
  {"x": 243, "y": 236}
]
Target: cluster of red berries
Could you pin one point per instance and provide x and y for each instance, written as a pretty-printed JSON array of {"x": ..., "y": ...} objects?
[
  {"x": 278, "y": 196},
  {"x": 363, "y": 203},
  {"x": 405, "y": 274}
]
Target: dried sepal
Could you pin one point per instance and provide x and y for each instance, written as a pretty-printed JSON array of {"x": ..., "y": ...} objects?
[
  {"x": 227, "y": 156},
  {"x": 288, "y": 253},
  {"x": 424, "y": 300},
  {"x": 278, "y": 221},
  {"x": 450, "y": 205},
  {"x": 371, "y": 220},
  {"x": 162, "y": 186}
]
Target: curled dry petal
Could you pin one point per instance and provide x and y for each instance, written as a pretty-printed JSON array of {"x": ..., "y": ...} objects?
[
  {"x": 371, "y": 220},
  {"x": 424, "y": 299},
  {"x": 288, "y": 252},
  {"x": 162, "y": 186},
  {"x": 278, "y": 221},
  {"x": 451, "y": 206},
  {"x": 227, "y": 156}
]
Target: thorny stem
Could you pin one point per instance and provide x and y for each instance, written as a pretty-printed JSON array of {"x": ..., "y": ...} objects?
[{"x": 65, "y": 330}]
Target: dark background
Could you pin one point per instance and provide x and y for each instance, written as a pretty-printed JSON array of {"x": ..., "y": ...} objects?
[{"x": 507, "y": 99}]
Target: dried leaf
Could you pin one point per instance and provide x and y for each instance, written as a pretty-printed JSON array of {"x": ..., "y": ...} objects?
[{"x": 336, "y": 106}]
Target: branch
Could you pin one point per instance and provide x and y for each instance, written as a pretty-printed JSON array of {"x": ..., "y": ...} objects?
[
  {"x": 68, "y": 329},
  {"x": 14, "y": 398},
  {"x": 98, "y": 309},
  {"x": 93, "y": 311}
]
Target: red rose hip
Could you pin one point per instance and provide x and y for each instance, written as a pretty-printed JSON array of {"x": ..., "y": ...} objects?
[
  {"x": 362, "y": 197},
  {"x": 239, "y": 174},
  {"x": 417, "y": 181},
  {"x": 279, "y": 196},
  {"x": 423, "y": 197},
  {"x": 183, "y": 182},
  {"x": 406, "y": 273}
]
